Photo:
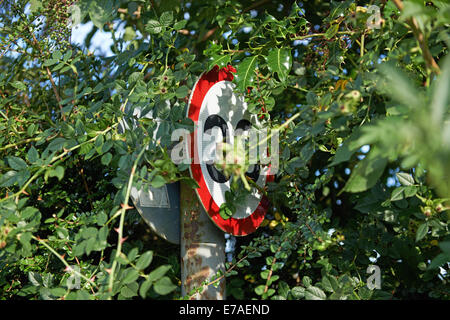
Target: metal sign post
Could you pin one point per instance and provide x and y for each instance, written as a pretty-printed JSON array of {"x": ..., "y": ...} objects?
[{"x": 202, "y": 249}]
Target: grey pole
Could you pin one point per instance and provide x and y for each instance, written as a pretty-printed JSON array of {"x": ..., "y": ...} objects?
[{"x": 202, "y": 248}]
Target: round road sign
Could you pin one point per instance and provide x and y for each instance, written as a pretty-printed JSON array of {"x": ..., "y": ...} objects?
[{"x": 214, "y": 105}]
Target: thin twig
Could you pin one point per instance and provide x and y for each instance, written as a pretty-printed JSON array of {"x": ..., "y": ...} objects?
[
  {"x": 53, "y": 161},
  {"x": 124, "y": 208},
  {"x": 211, "y": 31},
  {"x": 313, "y": 233},
  {"x": 50, "y": 77},
  {"x": 266, "y": 288},
  {"x": 43, "y": 242},
  {"x": 313, "y": 35},
  {"x": 226, "y": 272},
  {"x": 86, "y": 186},
  {"x": 12, "y": 145},
  {"x": 420, "y": 37}
]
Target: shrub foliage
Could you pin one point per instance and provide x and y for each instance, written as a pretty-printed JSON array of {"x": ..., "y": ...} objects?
[{"x": 358, "y": 90}]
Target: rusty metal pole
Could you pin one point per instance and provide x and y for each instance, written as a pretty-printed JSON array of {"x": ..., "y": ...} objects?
[{"x": 202, "y": 248}]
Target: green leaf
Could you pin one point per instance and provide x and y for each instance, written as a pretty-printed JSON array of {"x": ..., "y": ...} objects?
[
  {"x": 17, "y": 163},
  {"x": 57, "y": 172},
  {"x": 283, "y": 289},
  {"x": 219, "y": 60},
  {"x": 67, "y": 130},
  {"x": 129, "y": 290},
  {"x": 280, "y": 61},
  {"x": 132, "y": 254},
  {"x": 307, "y": 281},
  {"x": 88, "y": 233},
  {"x": 58, "y": 292},
  {"x": 259, "y": 290},
  {"x": 101, "y": 11},
  {"x": 348, "y": 148},
  {"x": 135, "y": 77},
  {"x": 314, "y": 293},
  {"x": 32, "y": 155},
  {"x": 445, "y": 246},
  {"x": 153, "y": 27},
  {"x": 19, "y": 85},
  {"x": 190, "y": 182},
  {"x": 83, "y": 295},
  {"x": 326, "y": 284},
  {"x": 331, "y": 31},
  {"x": 56, "y": 144},
  {"x": 365, "y": 293},
  {"x": 270, "y": 292},
  {"x": 122, "y": 259},
  {"x": 158, "y": 272},
  {"x": 144, "y": 260},
  {"x": 90, "y": 245},
  {"x": 56, "y": 55},
  {"x": 145, "y": 286},
  {"x": 227, "y": 210},
  {"x": 166, "y": 18},
  {"x": 164, "y": 286},
  {"x": 107, "y": 146},
  {"x": 162, "y": 112},
  {"x": 22, "y": 177},
  {"x": 405, "y": 178},
  {"x": 180, "y": 24},
  {"x": 311, "y": 98},
  {"x": 334, "y": 283},
  {"x": 102, "y": 218},
  {"x": 422, "y": 231},
  {"x": 35, "y": 278},
  {"x": 403, "y": 192},
  {"x": 367, "y": 172},
  {"x": 106, "y": 158},
  {"x": 31, "y": 128},
  {"x": 182, "y": 92},
  {"x": 246, "y": 72},
  {"x": 439, "y": 260},
  {"x": 50, "y": 62},
  {"x": 129, "y": 33},
  {"x": 35, "y": 5},
  {"x": 98, "y": 143},
  {"x": 405, "y": 92},
  {"x": 158, "y": 181},
  {"x": 78, "y": 249},
  {"x": 397, "y": 194},
  {"x": 441, "y": 94},
  {"x": 298, "y": 292},
  {"x": 66, "y": 68},
  {"x": 67, "y": 55},
  {"x": 131, "y": 275}
]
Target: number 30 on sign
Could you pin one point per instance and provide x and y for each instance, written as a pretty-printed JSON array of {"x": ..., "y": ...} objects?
[{"x": 214, "y": 105}]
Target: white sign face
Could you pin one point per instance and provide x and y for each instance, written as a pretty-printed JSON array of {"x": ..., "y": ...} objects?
[
  {"x": 215, "y": 108},
  {"x": 223, "y": 109}
]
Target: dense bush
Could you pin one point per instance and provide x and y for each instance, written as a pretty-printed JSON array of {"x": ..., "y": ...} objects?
[{"x": 364, "y": 159}]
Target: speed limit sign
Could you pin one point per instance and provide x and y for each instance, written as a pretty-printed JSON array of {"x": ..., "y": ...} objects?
[{"x": 214, "y": 105}]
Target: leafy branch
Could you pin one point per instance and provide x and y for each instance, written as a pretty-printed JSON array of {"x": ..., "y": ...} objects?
[
  {"x": 122, "y": 211},
  {"x": 421, "y": 39}
]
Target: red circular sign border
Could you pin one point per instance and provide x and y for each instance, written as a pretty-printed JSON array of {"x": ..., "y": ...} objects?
[{"x": 237, "y": 227}]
